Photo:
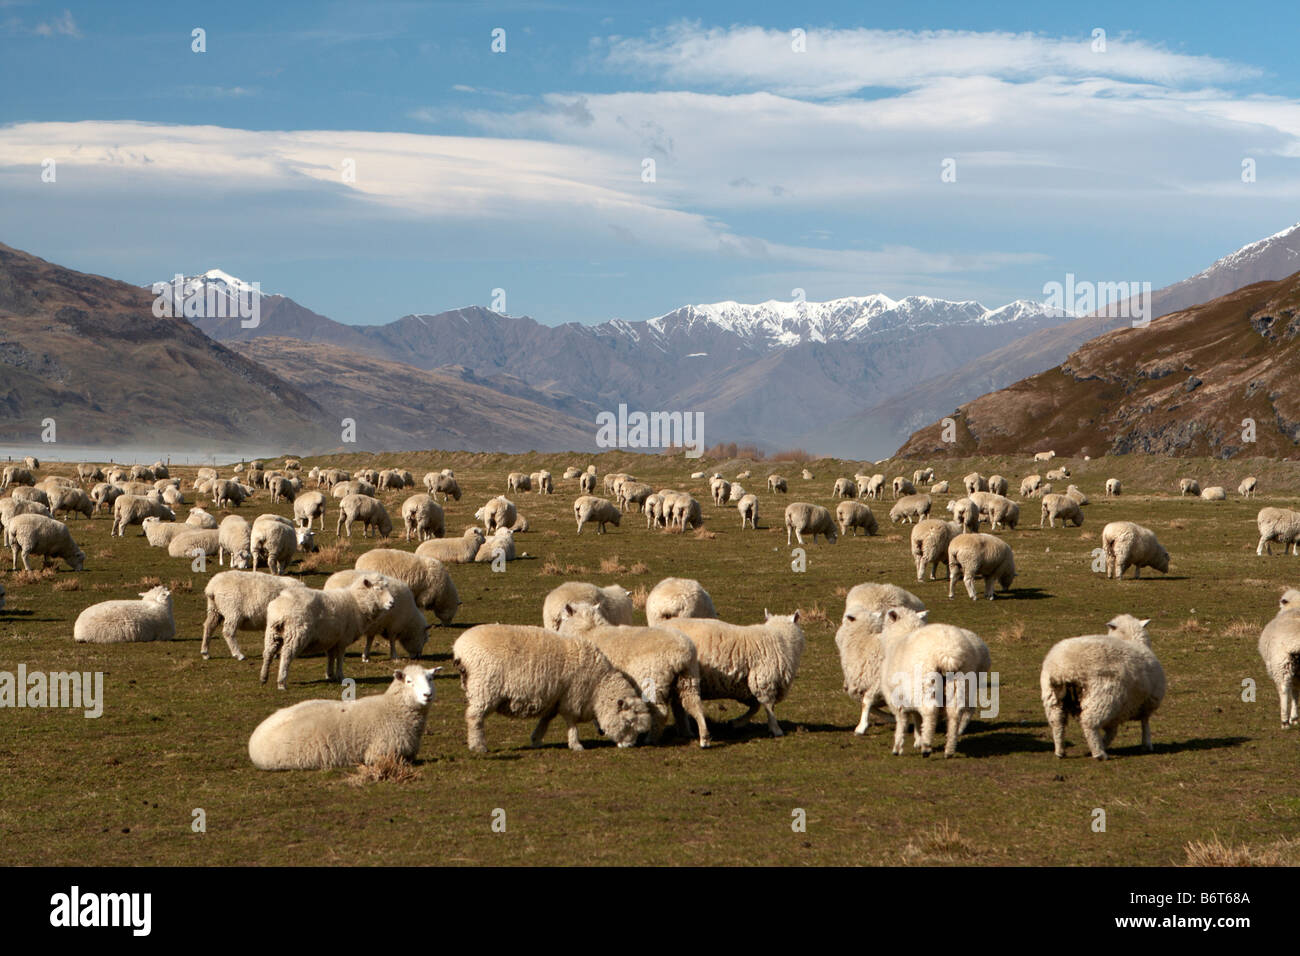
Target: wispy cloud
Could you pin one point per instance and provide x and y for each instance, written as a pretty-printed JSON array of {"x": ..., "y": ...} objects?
[{"x": 62, "y": 25}]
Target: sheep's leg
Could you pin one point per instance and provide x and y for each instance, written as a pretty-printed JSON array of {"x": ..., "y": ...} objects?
[
  {"x": 1147, "y": 745},
  {"x": 1285, "y": 699},
  {"x": 574, "y": 742},
  {"x": 900, "y": 731},
  {"x": 745, "y": 718},
  {"x": 1096, "y": 744},
  {"x": 1057, "y": 719},
  {"x": 969, "y": 581},
  {"x": 365, "y": 652},
  {"x": 952, "y": 579},
  {"x": 272, "y": 647},
  {"x": 475, "y": 738},
  {"x": 772, "y": 723},
  {"x": 539, "y": 732},
  {"x": 925, "y": 735},
  {"x": 1259, "y": 550},
  {"x": 287, "y": 654},
  {"x": 865, "y": 720},
  {"x": 687, "y": 700}
]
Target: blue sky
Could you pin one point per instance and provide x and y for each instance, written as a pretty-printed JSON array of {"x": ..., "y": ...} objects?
[{"x": 775, "y": 168}]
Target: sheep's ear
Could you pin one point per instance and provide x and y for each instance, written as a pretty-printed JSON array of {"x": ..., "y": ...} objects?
[
  {"x": 431, "y": 671},
  {"x": 767, "y": 615},
  {"x": 849, "y": 618},
  {"x": 568, "y": 611},
  {"x": 891, "y": 615},
  {"x": 923, "y": 615},
  {"x": 399, "y": 675},
  {"x": 794, "y": 619},
  {"x": 1145, "y": 623}
]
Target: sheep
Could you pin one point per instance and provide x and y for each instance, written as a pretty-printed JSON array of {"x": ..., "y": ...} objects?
[
  {"x": 368, "y": 475},
  {"x": 160, "y": 533},
  {"x": 855, "y": 515},
  {"x": 875, "y": 486},
  {"x": 998, "y": 485},
  {"x": 903, "y": 487},
  {"x": 38, "y": 535},
  {"x": 806, "y": 475},
  {"x": 1079, "y": 497},
  {"x": 1063, "y": 507},
  {"x": 683, "y": 510},
  {"x": 745, "y": 475},
  {"x": 142, "y": 473},
  {"x": 522, "y": 671},
  {"x": 930, "y": 540},
  {"x": 776, "y": 483},
  {"x": 1281, "y": 525},
  {"x": 986, "y": 556},
  {"x": 13, "y": 475},
  {"x": 237, "y": 601},
  {"x": 500, "y": 544},
  {"x": 845, "y": 488},
  {"x": 1126, "y": 545},
  {"x": 1058, "y": 474},
  {"x": 281, "y": 489},
  {"x": 1104, "y": 680},
  {"x": 498, "y": 512},
  {"x": 975, "y": 482},
  {"x": 273, "y": 543},
  {"x": 1279, "y": 646},
  {"x": 172, "y": 497},
  {"x": 193, "y": 542},
  {"x": 753, "y": 664},
  {"x": 426, "y": 577},
  {"x": 858, "y": 643},
  {"x": 1249, "y": 486},
  {"x": 614, "y": 603},
  {"x": 571, "y": 472},
  {"x": 1000, "y": 511},
  {"x": 160, "y": 470},
  {"x": 922, "y": 475},
  {"x": 1189, "y": 486},
  {"x": 803, "y": 518},
  {"x": 587, "y": 483},
  {"x": 404, "y": 623},
  {"x": 71, "y": 501},
  {"x": 453, "y": 550},
  {"x": 292, "y": 464},
  {"x": 54, "y": 482},
  {"x": 369, "y": 511},
  {"x": 929, "y": 669},
  {"x": 1214, "y": 493},
  {"x": 234, "y": 535},
  {"x": 11, "y": 508},
  {"x": 543, "y": 482},
  {"x": 30, "y": 494},
  {"x": 596, "y": 510},
  {"x": 1113, "y": 488},
  {"x": 90, "y": 473},
  {"x": 634, "y": 493},
  {"x": 301, "y": 620},
  {"x": 748, "y": 508},
  {"x": 939, "y": 488},
  {"x": 518, "y": 481},
  {"x": 910, "y": 508},
  {"x": 319, "y": 734},
  {"x": 674, "y": 598},
  {"x": 720, "y": 488},
  {"x": 1044, "y": 455},
  {"x": 1031, "y": 485},
  {"x": 227, "y": 493},
  {"x": 125, "y": 622},
  {"x": 422, "y": 518},
  {"x": 309, "y": 506}
]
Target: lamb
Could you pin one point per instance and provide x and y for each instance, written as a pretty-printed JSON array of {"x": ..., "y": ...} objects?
[
  {"x": 1126, "y": 545},
  {"x": 922, "y": 475},
  {"x": 844, "y": 488},
  {"x": 930, "y": 540},
  {"x": 160, "y": 533},
  {"x": 598, "y": 511},
  {"x": 521, "y": 671},
  {"x": 227, "y": 493},
  {"x": 453, "y": 550},
  {"x": 998, "y": 485},
  {"x": 426, "y": 577},
  {"x": 1279, "y": 646},
  {"x": 518, "y": 481},
  {"x": 803, "y": 518},
  {"x": 234, "y": 535},
  {"x": 613, "y": 603},
  {"x": 301, "y": 620},
  {"x": 855, "y": 515},
  {"x": 319, "y": 734},
  {"x": 1079, "y": 497},
  {"x": 404, "y": 623},
  {"x": 1214, "y": 493},
  {"x": 929, "y": 668},
  {"x": 939, "y": 488},
  {"x": 1058, "y": 474},
  {"x": 502, "y": 543},
  {"x": 422, "y": 518},
  {"x": 124, "y": 622},
  {"x": 875, "y": 486},
  {"x": 193, "y": 542},
  {"x": 910, "y": 508},
  {"x": 237, "y": 601},
  {"x": 753, "y": 664},
  {"x": 986, "y": 556},
  {"x": 273, "y": 543},
  {"x": 1249, "y": 486},
  {"x": 1189, "y": 486},
  {"x": 38, "y": 535},
  {"x": 1044, "y": 455},
  {"x": 1063, "y": 507},
  {"x": 776, "y": 483},
  {"x": 975, "y": 482},
  {"x": 498, "y": 512},
  {"x": 903, "y": 486},
  {"x": 308, "y": 507},
  {"x": 71, "y": 501},
  {"x": 1113, "y": 488},
  {"x": 859, "y": 646},
  {"x": 1281, "y": 525},
  {"x": 369, "y": 511},
  {"x": 1104, "y": 680},
  {"x": 1030, "y": 485},
  {"x": 674, "y": 598}
]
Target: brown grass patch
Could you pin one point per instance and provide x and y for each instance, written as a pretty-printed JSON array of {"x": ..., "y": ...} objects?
[
  {"x": 704, "y": 534},
  {"x": 893, "y": 538},
  {"x": 942, "y": 843},
  {"x": 550, "y": 567},
  {"x": 1178, "y": 524},
  {"x": 1192, "y": 626},
  {"x": 392, "y": 769},
  {"x": 639, "y": 568},
  {"x": 178, "y": 586},
  {"x": 1013, "y": 633},
  {"x": 841, "y": 592},
  {"x": 611, "y": 565},
  {"x": 68, "y": 584},
  {"x": 1215, "y": 852},
  {"x": 640, "y": 596},
  {"x": 815, "y": 616},
  {"x": 1241, "y": 628},
  {"x": 23, "y": 578},
  {"x": 149, "y": 581},
  {"x": 1086, "y": 536}
]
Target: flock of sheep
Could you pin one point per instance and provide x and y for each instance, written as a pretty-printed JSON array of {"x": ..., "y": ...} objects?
[{"x": 588, "y": 661}]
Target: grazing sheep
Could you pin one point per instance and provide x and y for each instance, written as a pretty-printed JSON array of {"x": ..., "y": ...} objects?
[
  {"x": 859, "y": 646},
  {"x": 572, "y": 472},
  {"x": 922, "y": 475},
  {"x": 1063, "y": 507},
  {"x": 975, "y": 482},
  {"x": 1126, "y": 545},
  {"x": 998, "y": 485},
  {"x": 986, "y": 556},
  {"x": 369, "y": 511},
  {"x": 939, "y": 488},
  {"x": 753, "y": 664},
  {"x": 234, "y": 535},
  {"x": 910, "y": 508},
  {"x": 1214, "y": 493},
  {"x": 1113, "y": 488},
  {"x": 903, "y": 486},
  {"x": 49, "y": 538},
  {"x": 30, "y": 494},
  {"x": 634, "y": 493},
  {"x": 661, "y": 661},
  {"x": 142, "y": 473},
  {"x": 1281, "y": 525},
  {"x": 1031, "y": 485},
  {"x": 193, "y": 542},
  {"x": 518, "y": 481},
  {"x": 930, "y": 540},
  {"x": 1000, "y": 511},
  {"x": 1188, "y": 486},
  {"x": 683, "y": 510},
  {"x": 1279, "y": 646},
  {"x": 71, "y": 501},
  {"x": 597, "y": 511},
  {"x": 1104, "y": 680},
  {"x": 426, "y": 577},
  {"x": 10, "y": 509},
  {"x": 720, "y": 489},
  {"x": 845, "y": 488},
  {"x": 855, "y": 515},
  {"x": 502, "y": 543},
  {"x": 125, "y": 622},
  {"x": 273, "y": 543},
  {"x": 1249, "y": 486},
  {"x": 776, "y": 483},
  {"x": 1058, "y": 474},
  {"x": 237, "y": 601},
  {"x": 303, "y": 620},
  {"x": 966, "y": 513},
  {"x": 172, "y": 497},
  {"x": 90, "y": 473},
  {"x": 1044, "y": 455},
  {"x": 521, "y": 671},
  {"x": 309, "y": 506},
  {"x": 613, "y": 603},
  {"x": 454, "y": 550},
  {"x": 587, "y": 483},
  {"x": 875, "y": 487},
  {"x": 803, "y": 518},
  {"x": 13, "y": 475},
  {"x": 319, "y": 734},
  {"x": 748, "y": 508},
  {"x": 422, "y": 518},
  {"x": 1079, "y": 497},
  {"x": 498, "y": 512},
  {"x": 227, "y": 493},
  {"x": 404, "y": 623},
  {"x": 674, "y": 598}
]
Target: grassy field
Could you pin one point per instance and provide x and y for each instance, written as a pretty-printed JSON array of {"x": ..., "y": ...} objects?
[{"x": 122, "y": 789}]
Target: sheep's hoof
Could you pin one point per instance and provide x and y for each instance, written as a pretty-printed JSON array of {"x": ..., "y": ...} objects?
[
  {"x": 1101, "y": 756},
  {"x": 238, "y": 657},
  {"x": 205, "y": 656},
  {"x": 282, "y": 686}
]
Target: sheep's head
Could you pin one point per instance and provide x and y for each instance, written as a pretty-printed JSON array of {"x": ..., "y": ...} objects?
[
  {"x": 898, "y": 620},
  {"x": 626, "y": 716},
  {"x": 157, "y": 595},
  {"x": 1161, "y": 560},
  {"x": 1290, "y": 601},
  {"x": 580, "y": 618},
  {"x": 418, "y": 682},
  {"x": 307, "y": 541},
  {"x": 1129, "y": 628},
  {"x": 78, "y": 560},
  {"x": 769, "y": 618}
]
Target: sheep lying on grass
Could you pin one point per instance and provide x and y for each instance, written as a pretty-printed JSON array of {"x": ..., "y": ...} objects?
[
  {"x": 123, "y": 622},
  {"x": 319, "y": 734},
  {"x": 1279, "y": 646},
  {"x": 460, "y": 550},
  {"x": 1104, "y": 680}
]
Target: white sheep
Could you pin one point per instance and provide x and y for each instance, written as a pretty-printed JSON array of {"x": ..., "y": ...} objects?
[
  {"x": 121, "y": 622},
  {"x": 1058, "y": 474},
  {"x": 193, "y": 542},
  {"x": 133, "y": 509},
  {"x": 910, "y": 508},
  {"x": 498, "y": 512},
  {"x": 1279, "y": 646},
  {"x": 683, "y": 510},
  {"x": 460, "y": 550},
  {"x": 234, "y": 535},
  {"x": 518, "y": 481},
  {"x": 903, "y": 486},
  {"x": 1044, "y": 455},
  {"x": 776, "y": 483},
  {"x": 748, "y": 508},
  {"x": 634, "y": 493},
  {"x": 369, "y": 511},
  {"x": 70, "y": 501},
  {"x": 1214, "y": 493},
  {"x": 986, "y": 556},
  {"x": 1189, "y": 486},
  {"x": 228, "y": 493},
  {"x": 672, "y": 598},
  {"x": 237, "y": 601},
  {"x": 1248, "y": 487},
  {"x": 613, "y": 602},
  {"x": 273, "y": 543},
  {"x": 998, "y": 485},
  {"x": 1114, "y": 488},
  {"x": 48, "y": 538},
  {"x": 844, "y": 488},
  {"x": 975, "y": 482},
  {"x": 404, "y": 623},
  {"x": 720, "y": 489},
  {"x": 587, "y": 483},
  {"x": 753, "y": 664},
  {"x": 198, "y": 518},
  {"x": 597, "y": 511},
  {"x": 426, "y": 577},
  {"x": 522, "y": 671},
  {"x": 1074, "y": 492},
  {"x": 875, "y": 486},
  {"x": 859, "y": 646},
  {"x": 423, "y": 518},
  {"x": 855, "y": 515},
  {"x": 303, "y": 620},
  {"x": 939, "y": 488},
  {"x": 922, "y": 475},
  {"x": 1126, "y": 545},
  {"x": 319, "y": 734},
  {"x": 1063, "y": 507},
  {"x": 1031, "y": 485},
  {"x": 1104, "y": 680},
  {"x": 929, "y": 545},
  {"x": 500, "y": 544},
  {"x": 803, "y": 518},
  {"x": 806, "y": 475},
  {"x": 1281, "y": 525}
]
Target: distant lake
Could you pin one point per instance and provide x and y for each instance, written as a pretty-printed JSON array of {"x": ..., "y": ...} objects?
[{"x": 125, "y": 454}]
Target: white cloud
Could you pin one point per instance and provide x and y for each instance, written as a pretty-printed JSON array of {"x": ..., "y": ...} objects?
[{"x": 62, "y": 25}]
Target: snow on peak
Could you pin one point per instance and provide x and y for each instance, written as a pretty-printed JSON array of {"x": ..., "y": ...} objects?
[{"x": 1254, "y": 249}]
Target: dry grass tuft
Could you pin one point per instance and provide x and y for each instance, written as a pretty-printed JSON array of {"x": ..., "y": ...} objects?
[
  {"x": 23, "y": 578},
  {"x": 611, "y": 565},
  {"x": 1013, "y": 633},
  {"x": 815, "y": 616},
  {"x": 68, "y": 584},
  {"x": 178, "y": 586},
  {"x": 391, "y": 769},
  {"x": 1241, "y": 628},
  {"x": 943, "y": 843},
  {"x": 704, "y": 534},
  {"x": 329, "y": 556},
  {"x": 640, "y": 596},
  {"x": 893, "y": 538},
  {"x": 550, "y": 567},
  {"x": 639, "y": 568},
  {"x": 1284, "y": 852},
  {"x": 1192, "y": 626},
  {"x": 149, "y": 581},
  {"x": 1178, "y": 524}
]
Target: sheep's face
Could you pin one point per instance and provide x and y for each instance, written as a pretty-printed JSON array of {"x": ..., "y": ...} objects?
[
  {"x": 1129, "y": 628},
  {"x": 241, "y": 560},
  {"x": 630, "y": 719},
  {"x": 307, "y": 541},
  {"x": 1161, "y": 561},
  {"x": 157, "y": 595},
  {"x": 1290, "y": 600},
  {"x": 899, "y": 620},
  {"x": 78, "y": 561}
]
